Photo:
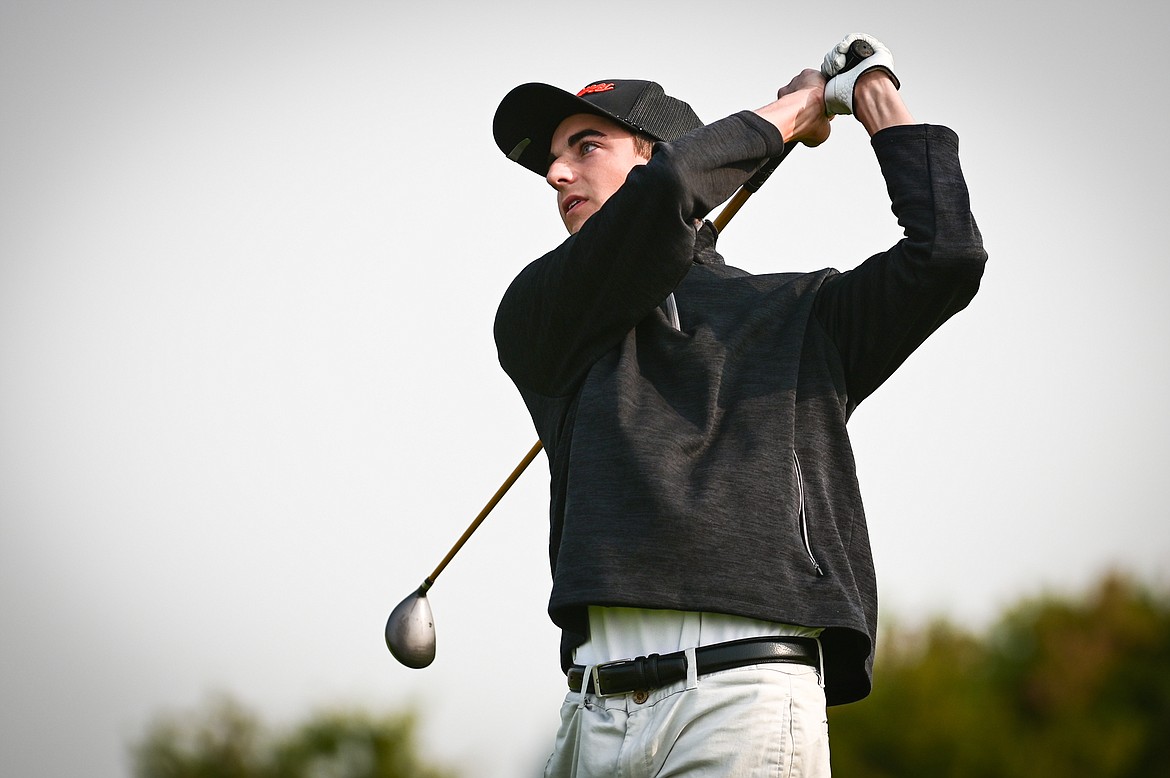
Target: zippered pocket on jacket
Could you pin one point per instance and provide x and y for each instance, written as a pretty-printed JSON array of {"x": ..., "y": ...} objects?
[{"x": 803, "y": 515}]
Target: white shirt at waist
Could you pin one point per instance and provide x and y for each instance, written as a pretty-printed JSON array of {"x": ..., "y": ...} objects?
[{"x": 627, "y": 633}]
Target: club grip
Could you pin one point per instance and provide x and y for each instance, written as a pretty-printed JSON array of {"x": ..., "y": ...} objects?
[
  {"x": 858, "y": 50},
  {"x": 754, "y": 183}
]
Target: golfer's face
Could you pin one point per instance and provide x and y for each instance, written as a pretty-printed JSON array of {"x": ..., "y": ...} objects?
[{"x": 590, "y": 157}]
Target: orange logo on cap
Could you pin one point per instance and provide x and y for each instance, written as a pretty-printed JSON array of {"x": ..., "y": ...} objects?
[{"x": 592, "y": 88}]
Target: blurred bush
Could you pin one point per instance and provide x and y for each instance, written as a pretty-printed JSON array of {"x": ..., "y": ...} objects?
[
  {"x": 225, "y": 740},
  {"x": 1057, "y": 687}
]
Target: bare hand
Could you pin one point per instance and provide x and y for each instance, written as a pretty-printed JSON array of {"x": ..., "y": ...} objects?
[{"x": 799, "y": 109}]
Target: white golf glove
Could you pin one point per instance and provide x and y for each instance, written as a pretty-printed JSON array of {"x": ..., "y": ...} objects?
[{"x": 839, "y": 90}]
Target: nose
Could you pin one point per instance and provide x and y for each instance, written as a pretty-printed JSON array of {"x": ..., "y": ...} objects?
[{"x": 559, "y": 173}]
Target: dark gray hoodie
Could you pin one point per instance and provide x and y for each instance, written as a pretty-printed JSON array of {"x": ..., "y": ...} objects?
[{"x": 709, "y": 468}]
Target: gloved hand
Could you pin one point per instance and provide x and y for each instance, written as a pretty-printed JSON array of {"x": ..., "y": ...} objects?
[{"x": 839, "y": 90}]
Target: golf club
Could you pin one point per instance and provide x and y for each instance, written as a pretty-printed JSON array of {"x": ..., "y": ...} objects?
[{"x": 410, "y": 630}]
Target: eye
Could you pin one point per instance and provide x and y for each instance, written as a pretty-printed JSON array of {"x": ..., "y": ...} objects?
[{"x": 587, "y": 146}]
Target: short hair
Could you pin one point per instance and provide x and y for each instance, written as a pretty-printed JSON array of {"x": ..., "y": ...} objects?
[{"x": 643, "y": 144}]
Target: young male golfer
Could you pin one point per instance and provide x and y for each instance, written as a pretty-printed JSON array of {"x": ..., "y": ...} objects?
[{"x": 711, "y": 569}]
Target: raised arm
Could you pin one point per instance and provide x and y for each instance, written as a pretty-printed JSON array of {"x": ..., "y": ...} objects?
[
  {"x": 568, "y": 308},
  {"x": 883, "y": 309}
]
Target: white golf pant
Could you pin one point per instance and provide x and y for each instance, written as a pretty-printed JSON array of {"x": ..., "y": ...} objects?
[{"x": 759, "y": 720}]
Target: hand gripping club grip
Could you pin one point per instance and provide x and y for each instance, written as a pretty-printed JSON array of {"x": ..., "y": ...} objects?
[{"x": 858, "y": 50}]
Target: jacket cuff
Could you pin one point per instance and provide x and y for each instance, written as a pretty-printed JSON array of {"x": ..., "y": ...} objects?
[{"x": 771, "y": 136}]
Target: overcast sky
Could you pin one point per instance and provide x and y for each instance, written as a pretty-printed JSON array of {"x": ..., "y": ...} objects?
[{"x": 250, "y": 253}]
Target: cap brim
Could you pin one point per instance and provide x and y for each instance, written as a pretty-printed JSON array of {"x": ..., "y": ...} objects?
[{"x": 529, "y": 115}]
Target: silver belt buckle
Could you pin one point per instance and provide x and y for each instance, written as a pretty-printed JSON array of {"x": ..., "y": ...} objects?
[{"x": 597, "y": 691}]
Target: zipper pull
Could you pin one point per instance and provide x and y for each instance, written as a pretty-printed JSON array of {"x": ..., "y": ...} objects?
[{"x": 803, "y": 516}]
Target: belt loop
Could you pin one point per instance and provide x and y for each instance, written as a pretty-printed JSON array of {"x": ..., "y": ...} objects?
[
  {"x": 692, "y": 669},
  {"x": 585, "y": 679},
  {"x": 821, "y": 660}
]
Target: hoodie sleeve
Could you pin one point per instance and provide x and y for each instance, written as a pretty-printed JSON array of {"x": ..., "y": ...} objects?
[
  {"x": 883, "y": 309},
  {"x": 569, "y": 307}
]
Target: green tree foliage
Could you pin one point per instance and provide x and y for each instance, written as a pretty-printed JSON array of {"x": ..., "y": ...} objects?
[
  {"x": 224, "y": 740},
  {"x": 1056, "y": 688}
]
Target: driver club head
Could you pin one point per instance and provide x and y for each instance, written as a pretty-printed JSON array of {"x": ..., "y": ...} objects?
[{"x": 410, "y": 631}]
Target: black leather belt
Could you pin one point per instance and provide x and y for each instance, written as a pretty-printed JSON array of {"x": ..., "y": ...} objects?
[{"x": 654, "y": 671}]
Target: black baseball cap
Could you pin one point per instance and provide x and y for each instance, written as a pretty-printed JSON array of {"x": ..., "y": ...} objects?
[{"x": 529, "y": 115}]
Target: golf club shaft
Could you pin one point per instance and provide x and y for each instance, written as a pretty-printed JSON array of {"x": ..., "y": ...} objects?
[
  {"x": 748, "y": 189},
  {"x": 504, "y": 487},
  {"x": 720, "y": 222}
]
